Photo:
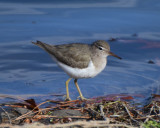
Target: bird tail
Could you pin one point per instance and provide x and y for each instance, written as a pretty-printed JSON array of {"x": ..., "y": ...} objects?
[
  {"x": 40, "y": 44},
  {"x": 44, "y": 46}
]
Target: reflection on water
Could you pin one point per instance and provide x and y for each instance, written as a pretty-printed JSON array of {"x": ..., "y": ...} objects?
[{"x": 27, "y": 70}]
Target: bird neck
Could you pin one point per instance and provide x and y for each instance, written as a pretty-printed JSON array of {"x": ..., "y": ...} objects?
[{"x": 99, "y": 62}]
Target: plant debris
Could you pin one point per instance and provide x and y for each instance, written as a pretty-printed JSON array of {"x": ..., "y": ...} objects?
[{"x": 115, "y": 109}]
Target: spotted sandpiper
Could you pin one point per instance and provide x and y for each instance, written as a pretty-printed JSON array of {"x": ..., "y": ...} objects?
[{"x": 79, "y": 60}]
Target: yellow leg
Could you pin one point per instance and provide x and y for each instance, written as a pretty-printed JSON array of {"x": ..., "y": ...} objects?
[
  {"x": 67, "y": 90},
  {"x": 80, "y": 94}
]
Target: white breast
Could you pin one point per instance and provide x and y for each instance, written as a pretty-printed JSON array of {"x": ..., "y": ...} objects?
[
  {"x": 76, "y": 73},
  {"x": 90, "y": 71}
]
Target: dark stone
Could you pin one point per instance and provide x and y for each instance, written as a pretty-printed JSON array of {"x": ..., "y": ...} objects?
[
  {"x": 151, "y": 62},
  {"x": 66, "y": 112},
  {"x": 45, "y": 121},
  {"x": 22, "y": 110},
  {"x": 113, "y": 39},
  {"x": 8, "y": 115},
  {"x": 135, "y": 35}
]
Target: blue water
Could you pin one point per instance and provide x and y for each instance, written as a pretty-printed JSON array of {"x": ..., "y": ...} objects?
[{"x": 26, "y": 70}]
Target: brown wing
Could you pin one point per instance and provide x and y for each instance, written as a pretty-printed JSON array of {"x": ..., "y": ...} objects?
[{"x": 75, "y": 55}]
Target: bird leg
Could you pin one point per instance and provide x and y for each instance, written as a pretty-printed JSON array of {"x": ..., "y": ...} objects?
[
  {"x": 67, "y": 90},
  {"x": 80, "y": 94}
]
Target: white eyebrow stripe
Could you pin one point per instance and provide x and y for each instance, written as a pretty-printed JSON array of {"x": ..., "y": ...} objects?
[{"x": 101, "y": 47}]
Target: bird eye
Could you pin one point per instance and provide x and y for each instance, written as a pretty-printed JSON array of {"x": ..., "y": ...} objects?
[{"x": 100, "y": 48}]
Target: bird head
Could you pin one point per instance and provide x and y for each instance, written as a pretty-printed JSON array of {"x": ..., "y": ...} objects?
[{"x": 103, "y": 49}]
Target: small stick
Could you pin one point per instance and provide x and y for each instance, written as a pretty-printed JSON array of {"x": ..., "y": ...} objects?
[
  {"x": 24, "y": 115},
  {"x": 147, "y": 117},
  {"x": 47, "y": 116},
  {"x": 7, "y": 114},
  {"x": 129, "y": 113},
  {"x": 102, "y": 113},
  {"x": 151, "y": 110}
]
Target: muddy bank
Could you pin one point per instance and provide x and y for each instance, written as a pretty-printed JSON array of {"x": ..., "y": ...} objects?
[{"x": 111, "y": 110}]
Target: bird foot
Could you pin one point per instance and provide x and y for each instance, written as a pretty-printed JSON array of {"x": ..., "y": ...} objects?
[
  {"x": 68, "y": 99},
  {"x": 82, "y": 98}
]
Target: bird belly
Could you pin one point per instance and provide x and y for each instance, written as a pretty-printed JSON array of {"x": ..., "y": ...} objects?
[{"x": 76, "y": 73}]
